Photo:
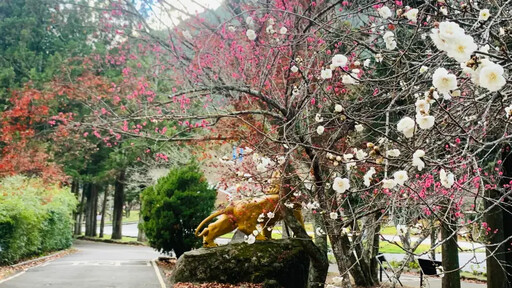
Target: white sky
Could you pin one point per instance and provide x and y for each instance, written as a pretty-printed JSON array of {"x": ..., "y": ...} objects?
[{"x": 164, "y": 19}]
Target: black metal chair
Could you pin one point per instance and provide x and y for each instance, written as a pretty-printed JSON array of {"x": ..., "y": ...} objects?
[
  {"x": 428, "y": 267},
  {"x": 381, "y": 259}
]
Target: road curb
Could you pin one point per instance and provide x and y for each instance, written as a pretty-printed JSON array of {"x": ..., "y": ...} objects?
[{"x": 158, "y": 274}]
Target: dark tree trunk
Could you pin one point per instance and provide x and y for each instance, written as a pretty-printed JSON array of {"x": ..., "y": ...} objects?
[
  {"x": 374, "y": 249},
  {"x": 88, "y": 208},
  {"x": 319, "y": 263},
  {"x": 499, "y": 255},
  {"x": 321, "y": 243},
  {"x": 103, "y": 210},
  {"x": 433, "y": 239},
  {"x": 80, "y": 210},
  {"x": 117, "y": 222},
  {"x": 94, "y": 190},
  {"x": 450, "y": 254},
  {"x": 91, "y": 210}
]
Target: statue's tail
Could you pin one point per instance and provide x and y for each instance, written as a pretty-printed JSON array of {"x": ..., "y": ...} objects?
[{"x": 208, "y": 219}]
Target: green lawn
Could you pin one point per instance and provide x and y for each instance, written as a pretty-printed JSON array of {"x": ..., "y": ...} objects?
[{"x": 134, "y": 217}]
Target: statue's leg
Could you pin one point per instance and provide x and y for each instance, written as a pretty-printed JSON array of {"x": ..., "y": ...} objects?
[{"x": 216, "y": 229}]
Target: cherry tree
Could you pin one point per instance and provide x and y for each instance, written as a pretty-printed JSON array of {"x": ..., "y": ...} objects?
[{"x": 389, "y": 111}]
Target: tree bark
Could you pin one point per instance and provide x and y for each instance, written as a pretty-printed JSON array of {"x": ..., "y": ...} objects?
[
  {"x": 499, "y": 256},
  {"x": 319, "y": 263},
  {"x": 80, "y": 211},
  {"x": 91, "y": 209},
  {"x": 103, "y": 210},
  {"x": 141, "y": 236},
  {"x": 450, "y": 254},
  {"x": 117, "y": 222}
]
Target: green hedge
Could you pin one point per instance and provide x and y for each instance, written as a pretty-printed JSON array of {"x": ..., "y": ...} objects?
[{"x": 34, "y": 218}]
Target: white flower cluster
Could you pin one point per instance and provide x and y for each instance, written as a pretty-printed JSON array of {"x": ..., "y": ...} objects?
[
  {"x": 412, "y": 15},
  {"x": 486, "y": 74},
  {"x": 340, "y": 185},
  {"x": 385, "y": 12},
  {"x": 447, "y": 180},
  {"x": 417, "y": 161},
  {"x": 368, "y": 177},
  {"x": 452, "y": 39},
  {"x": 389, "y": 39}
]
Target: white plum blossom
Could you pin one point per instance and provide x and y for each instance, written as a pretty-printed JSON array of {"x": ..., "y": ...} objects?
[
  {"x": 416, "y": 159},
  {"x": 406, "y": 125},
  {"x": 368, "y": 176},
  {"x": 508, "y": 111},
  {"x": 270, "y": 215},
  {"x": 389, "y": 39},
  {"x": 270, "y": 29},
  {"x": 491, "y": 77},
  {"x": 348, "y": 156},
  {"x": 320, "y": 129},
  {"x": 384, "y": 12},
  {"x": 400, "y": 177},
  {"x": 318, "y": 117},
  {"x": 294, "y": 69},
  {"x": 250, "y": 239},
  {"x": 326, "y": 74},
  {"x": 388, "y": 36},
  {"x": 283, "y": 30},
  {"x": 412, "y": 15},
  {"x": 366, "y": 63},
  {"x": 250, "y": 34},
  {"x": 340, "y": 185},
  {"x": 450, "y": 30},
  {"x": 360, "y": 154},
  {"x": 339, "y": 60},
  {"x": 388, "y": 183},
  {"x": 333, "y": 215},
  {"x": 249, "y": 20},
  {"x": 349, "y": 79},
  {"x": 484, "y": 15},
  {"x": 444, "y": 10},
  {"x": 359, "y": 127},
  {"x": 461, "y": 48},
  {"x": 338, "y": 108},
  {"x": 379, "y": 58},
  {"x": 393, "y": 153},
  {"x": 425, "y": 121},
  {"x": 444, "y": 81},
  {"x": 423, "y": 69},
  {"x": 447, "y": 180},
  {"x": 422, "y": 106}
]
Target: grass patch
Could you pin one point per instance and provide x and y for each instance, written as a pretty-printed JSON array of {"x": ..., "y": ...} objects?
[
  {"x": 385, "y": 247},
  {"x": 388, "y": 230},
  {"x": 134, "y": 217},
  {"x": 107, "y": 239}
]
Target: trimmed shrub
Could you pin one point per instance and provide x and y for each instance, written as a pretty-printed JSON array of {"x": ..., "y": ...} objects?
[
  {"x": 34, "y": 218},
  {"x": 174, "y": 207}
]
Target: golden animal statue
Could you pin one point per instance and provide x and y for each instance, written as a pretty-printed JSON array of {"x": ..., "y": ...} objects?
[{"x": 244, "y": 215}]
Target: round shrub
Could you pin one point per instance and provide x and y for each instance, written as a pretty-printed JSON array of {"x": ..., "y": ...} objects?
[{"x": 174, "y": 207}]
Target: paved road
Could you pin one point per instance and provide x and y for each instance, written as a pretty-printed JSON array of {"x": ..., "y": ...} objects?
[{"x": 95, "y": 264}]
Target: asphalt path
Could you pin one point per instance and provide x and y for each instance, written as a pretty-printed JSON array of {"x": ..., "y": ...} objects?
[{"x": 95, "y": 264}]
